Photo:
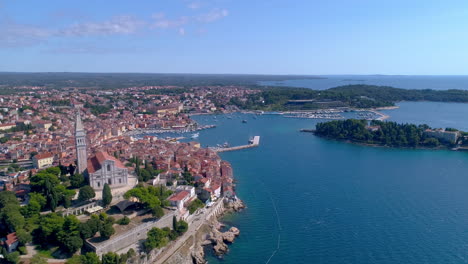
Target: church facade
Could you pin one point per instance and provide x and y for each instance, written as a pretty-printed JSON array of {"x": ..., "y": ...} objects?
[
  {"x": 100, "y": 168},
  {"x": 103, "y": 168}
]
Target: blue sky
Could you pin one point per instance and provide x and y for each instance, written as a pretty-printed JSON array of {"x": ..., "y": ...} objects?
[{"x": 235, "y": 36}]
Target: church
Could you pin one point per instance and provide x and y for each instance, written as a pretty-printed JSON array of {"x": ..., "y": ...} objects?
[{"x": 100, "y": 168}]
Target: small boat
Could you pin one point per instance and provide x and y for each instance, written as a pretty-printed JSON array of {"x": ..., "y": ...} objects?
[
  {"x": 244, "y": 121},
  {"x": 196, "y": 135},
  {"x": 226, "y": 145}
]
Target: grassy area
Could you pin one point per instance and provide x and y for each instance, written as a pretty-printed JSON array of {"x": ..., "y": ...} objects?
[{"x": 46, "y": 253}]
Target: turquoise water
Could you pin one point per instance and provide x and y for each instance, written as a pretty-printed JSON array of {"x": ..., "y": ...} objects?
[
  {"x": 435, "y": 114},
  {"x": 399, "y": 81},
  {"x": 316, "y": 201}
]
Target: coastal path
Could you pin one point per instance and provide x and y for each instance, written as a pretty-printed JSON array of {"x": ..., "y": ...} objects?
[{"x": 194, "y": 224}]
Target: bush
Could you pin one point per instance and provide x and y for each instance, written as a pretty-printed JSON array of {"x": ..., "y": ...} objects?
[
  {"x": 195, "y": 205},
  {"x": 124, "y": 221},
  {"x": 22, "y": 250}
]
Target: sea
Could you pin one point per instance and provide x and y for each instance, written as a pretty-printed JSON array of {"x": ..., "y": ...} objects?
[
  {"x": 435, "y": 82},
  {"x": 312, "y": 200}
]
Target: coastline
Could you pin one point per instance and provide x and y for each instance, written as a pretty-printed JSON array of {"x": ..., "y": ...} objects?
[{"x": 442, "y": 147}]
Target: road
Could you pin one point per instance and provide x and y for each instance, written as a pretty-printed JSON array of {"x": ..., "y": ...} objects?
[{"x": 194, "y": 225}]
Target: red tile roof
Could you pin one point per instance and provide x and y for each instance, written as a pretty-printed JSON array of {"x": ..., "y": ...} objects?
[
  {"x": 179, "y": 196},
  {"x": 44, "y": 155},
  {"x": 94, "y": 163},
  {"x": 11, "y": 238}
]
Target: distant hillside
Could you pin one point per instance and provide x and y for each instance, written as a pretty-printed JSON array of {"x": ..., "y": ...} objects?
[
  {"x": 123, "y": 80},
  {"x": 358, "y": 96}
]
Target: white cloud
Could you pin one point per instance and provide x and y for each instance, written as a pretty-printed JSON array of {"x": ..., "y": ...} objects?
[
  {"x": 18, "y": 35},
  {"x": 13, "y": 34},
  {"x": 168, "y": 23},
  {"x": 213, "y": 15},
  {"x": 182, "y": 31},
  {"x": 158, "y": 16},
  {"x": 194, "y": 5},
  {"x": 121, "y": 25}
]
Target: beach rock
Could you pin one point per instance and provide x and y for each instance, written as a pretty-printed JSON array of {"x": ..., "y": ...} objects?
[
  {"x": 219, "y": 239},
  {"x": 198, "y": 255},
  {"x": 231, "y": 234},
  {"x": 234, "y": 205}
]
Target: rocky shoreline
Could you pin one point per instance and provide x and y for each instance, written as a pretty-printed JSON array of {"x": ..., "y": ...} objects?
[{"x": 219, "y": 241}]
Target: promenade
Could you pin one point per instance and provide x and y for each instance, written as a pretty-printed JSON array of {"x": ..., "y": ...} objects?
[{"x": 195, "y": 222}]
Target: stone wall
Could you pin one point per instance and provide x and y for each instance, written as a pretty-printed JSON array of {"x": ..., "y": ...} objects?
[{"x": 132, "y": 236}]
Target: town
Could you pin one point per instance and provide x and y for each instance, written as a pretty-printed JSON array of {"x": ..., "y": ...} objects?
[{"x": 82, "y": 181}]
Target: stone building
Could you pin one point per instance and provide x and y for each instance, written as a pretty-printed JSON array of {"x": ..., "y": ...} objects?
[
  {"x": 103, "y": 168},
  {"x": 80, "y": 142},
  {"x": 43, "y": 160},
  {"x": 443, "y": 135}
]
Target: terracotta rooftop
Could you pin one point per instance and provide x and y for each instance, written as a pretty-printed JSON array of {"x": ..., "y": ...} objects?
[
  {"x": 179, "y": 196},
  {"x": 95, "y": 162},
  {"x": 44, "y": 155},
  {"x": 11, "y": 238}
]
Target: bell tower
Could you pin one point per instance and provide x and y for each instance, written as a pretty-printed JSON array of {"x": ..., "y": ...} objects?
[{"x": 80, "y": 142}]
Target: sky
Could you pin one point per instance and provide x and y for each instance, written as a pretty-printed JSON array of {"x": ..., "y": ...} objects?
[{"x": 235, "y": 36}]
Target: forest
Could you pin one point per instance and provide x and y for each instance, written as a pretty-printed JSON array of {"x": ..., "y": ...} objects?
[
  {"x": 381, "y": 133},
  {"x": 356, "y": 96}
]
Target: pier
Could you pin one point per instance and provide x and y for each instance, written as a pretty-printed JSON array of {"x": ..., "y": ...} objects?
[{"x": 255, "y": 142}]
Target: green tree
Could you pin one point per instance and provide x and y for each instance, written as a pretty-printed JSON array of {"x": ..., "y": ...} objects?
[
  {"x": 174, "y": 223},
  {"x": 23, "y": 236},
  {"x": 157, "y": 211},
  {"x": 86, "y": 193},
  {"x": 12, "y": 258},
  {"x": 124, "y": 221},
  {"x": 110, "y": 258},
  {"x": 157, "y": 238},
  {"x": 90, "y": 258},
  {"x": 89, "y": 228},
  {"x": 69, "y": 237},
  {"x": 107, "y": 230},
  {"x": 77, "y": 180},
  {"x": 182, "y": 227},
  {"x": 8, "y": 197},
  {"x": 38, "y": 259},
  {"x": 106, "y": 195},
  {"x": 12, "y": 217},
  {"x": 193, "y": 206},
  {"x": 36, "y": 203},
  {"x": 48, "y": 228}
]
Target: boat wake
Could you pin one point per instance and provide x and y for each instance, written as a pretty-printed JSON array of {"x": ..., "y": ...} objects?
[{"x": 279, "y": 227}]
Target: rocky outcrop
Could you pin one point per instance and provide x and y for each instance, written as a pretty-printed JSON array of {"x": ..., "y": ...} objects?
[
  {"x": 219, "y": 239},
  {"x": 198, "y": 255},
  {"x": 234, "y": 205}
]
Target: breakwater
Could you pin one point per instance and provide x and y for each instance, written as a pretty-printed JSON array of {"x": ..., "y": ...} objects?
[{"x": 254, "y": 143}]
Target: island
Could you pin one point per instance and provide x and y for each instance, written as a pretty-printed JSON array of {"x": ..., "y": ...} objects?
[{"x": 391, "y": 134}]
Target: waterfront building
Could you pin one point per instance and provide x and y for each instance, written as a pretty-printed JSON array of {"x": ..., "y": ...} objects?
[{"x": 443, "y": 135}]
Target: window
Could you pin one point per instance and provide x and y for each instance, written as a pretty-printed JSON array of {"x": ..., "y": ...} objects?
[
  {"x": 120, "y": 181},
  {"x": 109, "y": 181},
  {"x": 98, "y": 184},
  {"x": 108, "y": 167}
]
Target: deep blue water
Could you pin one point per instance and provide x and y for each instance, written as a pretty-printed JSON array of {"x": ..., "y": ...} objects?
[
  {"x": 398, "y": 81},
  {"x": 330, "y": 202}
]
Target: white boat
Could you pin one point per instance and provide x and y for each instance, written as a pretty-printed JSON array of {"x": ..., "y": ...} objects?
[{"x": 196, "y": 135}]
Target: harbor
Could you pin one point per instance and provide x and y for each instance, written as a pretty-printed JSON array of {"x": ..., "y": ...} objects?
[{"x": 254, "y": 142}]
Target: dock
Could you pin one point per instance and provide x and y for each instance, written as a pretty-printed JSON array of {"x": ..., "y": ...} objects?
[{"x": 255, "y": 142}]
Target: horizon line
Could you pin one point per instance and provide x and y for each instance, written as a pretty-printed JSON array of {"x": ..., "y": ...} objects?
[{"x": 251, "y": 74}]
